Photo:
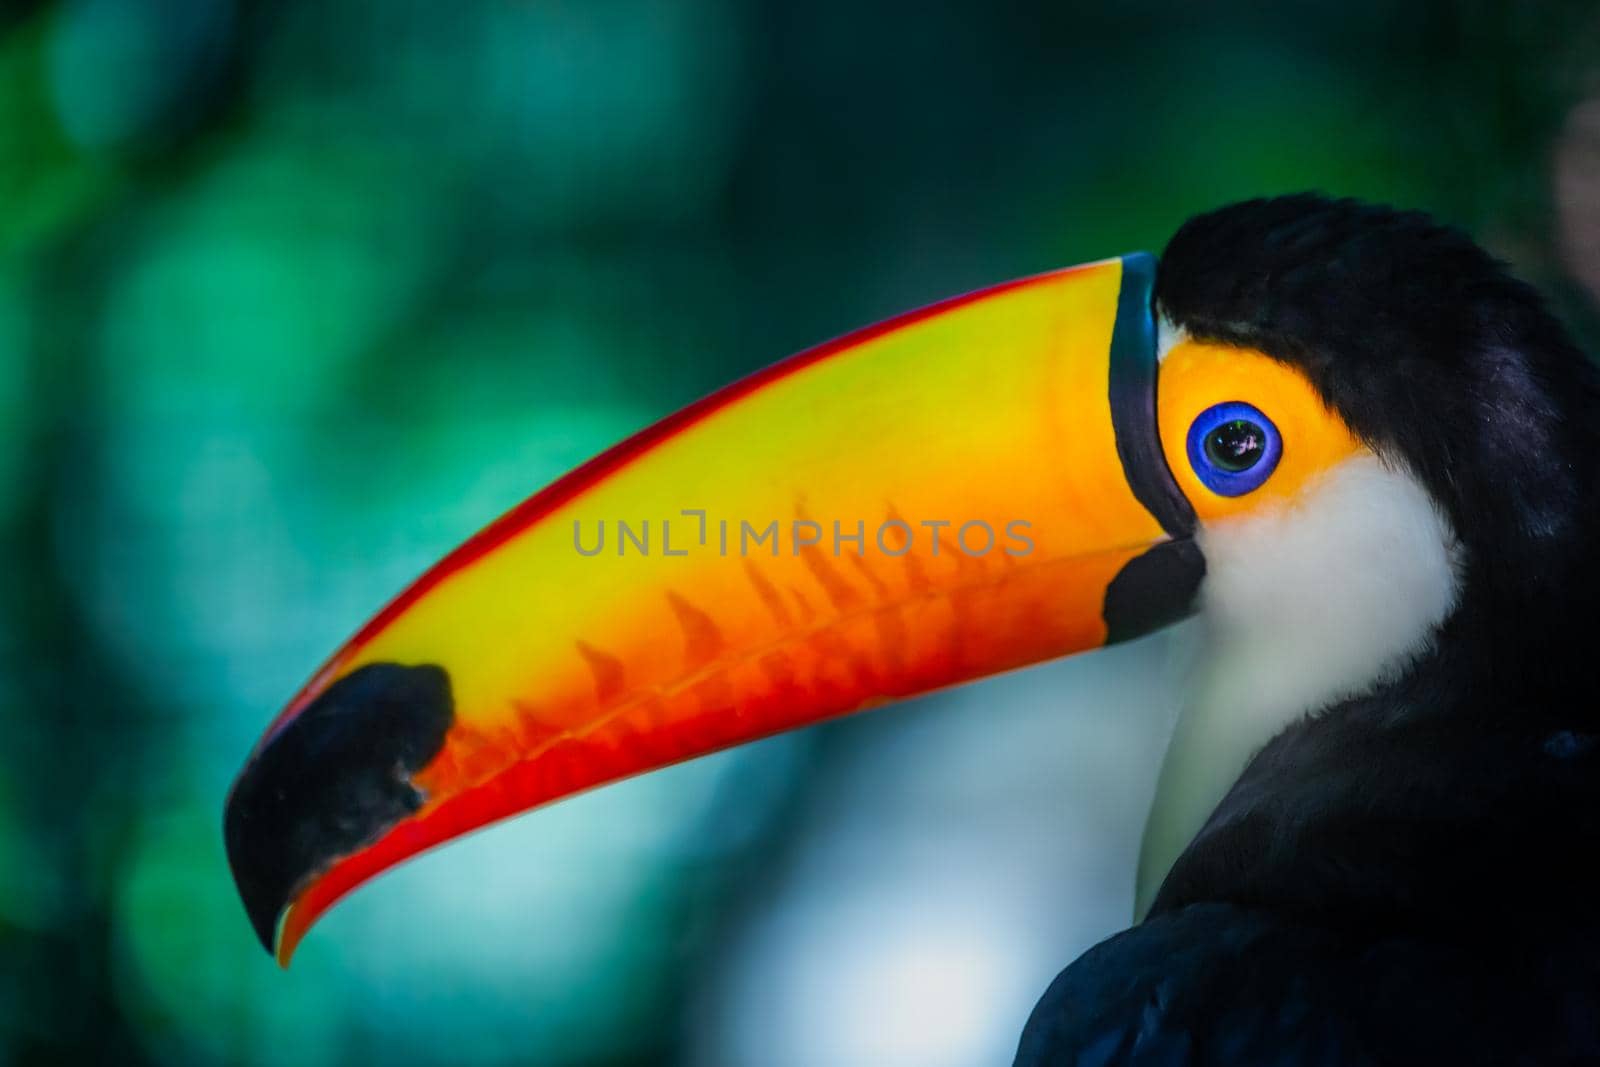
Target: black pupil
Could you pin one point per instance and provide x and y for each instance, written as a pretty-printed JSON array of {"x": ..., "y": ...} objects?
[{"x": 1236, "y": 445}]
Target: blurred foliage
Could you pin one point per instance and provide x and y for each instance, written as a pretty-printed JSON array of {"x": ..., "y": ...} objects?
[{"x": 295, "y": 295}]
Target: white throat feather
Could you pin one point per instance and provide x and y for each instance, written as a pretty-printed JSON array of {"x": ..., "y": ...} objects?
[{"x": 1305, "y": 604}]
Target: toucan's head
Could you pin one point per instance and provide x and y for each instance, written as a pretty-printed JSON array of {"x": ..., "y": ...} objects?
[{"x": 1323, "y": 426}]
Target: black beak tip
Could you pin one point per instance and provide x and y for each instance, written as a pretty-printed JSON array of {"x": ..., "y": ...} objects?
[
  {"x": 330, "y": 781},
  {"x": 262, "y": 906}
]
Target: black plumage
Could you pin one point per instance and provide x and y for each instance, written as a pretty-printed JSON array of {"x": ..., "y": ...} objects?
[{"x": 1408, "y": 876}]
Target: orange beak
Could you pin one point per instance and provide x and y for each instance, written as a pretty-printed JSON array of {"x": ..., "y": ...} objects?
[{"x": 968, "y": 488}]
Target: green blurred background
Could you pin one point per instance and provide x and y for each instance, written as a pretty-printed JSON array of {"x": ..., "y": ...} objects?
[{"x": 294, "y": 296}]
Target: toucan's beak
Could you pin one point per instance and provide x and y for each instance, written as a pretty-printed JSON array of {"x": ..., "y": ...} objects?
[{"x": 968, "y": 488}]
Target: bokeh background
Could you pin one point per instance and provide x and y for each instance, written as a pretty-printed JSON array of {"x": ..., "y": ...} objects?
[{"x": 295, "y": 295}]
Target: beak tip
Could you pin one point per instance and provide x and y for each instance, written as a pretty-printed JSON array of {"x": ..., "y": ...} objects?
[
  {"x": 263, "y": 904},
  {"x": 265, "y": 924},
  {"x": 331, "y": 781}
]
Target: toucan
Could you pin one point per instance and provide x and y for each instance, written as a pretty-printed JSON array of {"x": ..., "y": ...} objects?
[{"x": 1342, "y": 435}]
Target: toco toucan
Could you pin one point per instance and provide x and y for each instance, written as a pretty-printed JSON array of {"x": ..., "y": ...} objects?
[{"x": 1342, "y": 435}]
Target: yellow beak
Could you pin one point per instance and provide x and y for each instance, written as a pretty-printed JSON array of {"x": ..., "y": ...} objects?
[{"x": 969, "y": 488}]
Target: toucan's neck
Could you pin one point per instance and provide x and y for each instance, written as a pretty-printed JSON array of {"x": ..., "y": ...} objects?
[
  {"x": 1303, "y": 606},
  {"x": 1468, "y": 784}
]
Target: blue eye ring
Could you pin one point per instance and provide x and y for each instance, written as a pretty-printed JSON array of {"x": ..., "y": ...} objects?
[{"x": 1233, "y": 448}]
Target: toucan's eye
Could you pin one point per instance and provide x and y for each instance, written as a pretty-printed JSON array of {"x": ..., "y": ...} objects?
[{"x": 1233, "y": 448}]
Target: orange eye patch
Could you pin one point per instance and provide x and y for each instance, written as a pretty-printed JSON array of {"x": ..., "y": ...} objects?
[{"x": 1199, "y": 376}]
